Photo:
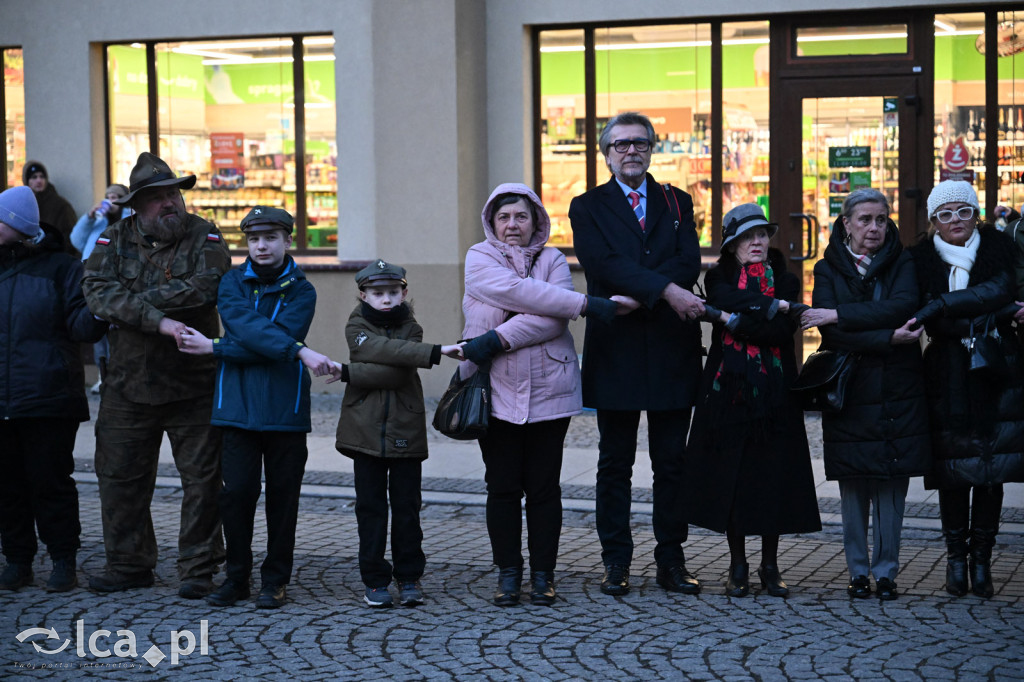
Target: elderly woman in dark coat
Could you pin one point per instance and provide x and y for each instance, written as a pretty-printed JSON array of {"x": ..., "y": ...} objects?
[
  {"x": 965, "y": 272},
  {"x": 747, "y": 462},
  {"x": 864, "y": 290}
]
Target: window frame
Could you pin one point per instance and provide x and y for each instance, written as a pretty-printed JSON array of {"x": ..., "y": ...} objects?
[{"x": 300, "y": 238}]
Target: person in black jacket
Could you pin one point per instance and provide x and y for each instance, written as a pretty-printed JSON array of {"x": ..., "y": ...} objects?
[
  {"x": 966, "y": 276},
  {"x": 864, "y": 290},
  {"x": 54, "y": 210},
  {"x": 748, "y": 465},
  {"x": 43, "y": 318},
  {"x": 637, "y": 238}
]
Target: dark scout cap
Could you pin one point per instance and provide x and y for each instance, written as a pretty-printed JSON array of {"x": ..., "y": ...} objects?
[
  {"x": 262, "y": 218},
  {"x": 379, "y": 272}
]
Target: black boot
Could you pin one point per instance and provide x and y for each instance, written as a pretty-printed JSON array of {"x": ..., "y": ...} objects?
[
  {"x": 15, "y": 576},
  {"x": 981, "y": 558},
  {"x": 956, "y": 561},
  {"x": 771, "y": 581},
  {"x": 510, "y": 581},
  {"x": 738, "y": 584},
  {"x": 64, "y": 576},
  {"x": 543, "y": 593}
]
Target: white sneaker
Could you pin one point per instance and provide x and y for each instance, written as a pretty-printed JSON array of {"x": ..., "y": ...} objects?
[{"x": 96, "y": 387}]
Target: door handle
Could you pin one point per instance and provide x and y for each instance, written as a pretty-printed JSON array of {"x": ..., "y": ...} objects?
[
  {"x": 808, "y": 237},
  {"x": 913, "y": 193},
  {"x": 914, "y": 101}
]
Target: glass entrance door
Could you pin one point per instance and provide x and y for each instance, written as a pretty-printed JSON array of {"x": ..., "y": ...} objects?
[
  {"x": 847, "y": 143},
  {"x": 841, "y": 135}
]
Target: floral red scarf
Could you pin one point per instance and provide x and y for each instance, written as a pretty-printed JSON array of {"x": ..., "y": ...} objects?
[{"x": 749, "y": 378}]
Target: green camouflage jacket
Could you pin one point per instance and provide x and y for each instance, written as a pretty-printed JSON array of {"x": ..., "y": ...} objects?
[{"x": 133, "y": 285}]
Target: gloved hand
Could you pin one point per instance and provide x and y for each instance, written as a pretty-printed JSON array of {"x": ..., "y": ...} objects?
[
  {"x": 481, "y": 349},
  {"x": 711, "y": 313},
  {"x": 601, "y": 309},
  {"x": 931, "y": 310}
]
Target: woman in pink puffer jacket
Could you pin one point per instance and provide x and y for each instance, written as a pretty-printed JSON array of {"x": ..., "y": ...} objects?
[{"x": 518, "y": 303}]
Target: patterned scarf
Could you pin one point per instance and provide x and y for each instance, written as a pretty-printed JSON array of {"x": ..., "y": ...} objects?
[
  {"x": 749, "y": 378},
  {"x": 861, "y": 261}
]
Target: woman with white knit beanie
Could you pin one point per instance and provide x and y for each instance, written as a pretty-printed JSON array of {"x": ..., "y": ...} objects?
[{"x": 976, "y": 409}]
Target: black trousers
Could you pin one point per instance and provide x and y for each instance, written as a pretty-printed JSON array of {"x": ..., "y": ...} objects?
[
  {"x": 36, "y": 488},
  {"x": 379, "y": 481},
  {"x": 281, "y": 456},
  {"x": 959, "y": 511},
  {"x": 524, "y": 459},
  {"x": 617, "y": 454}
]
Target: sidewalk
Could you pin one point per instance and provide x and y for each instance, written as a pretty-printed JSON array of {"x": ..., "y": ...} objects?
[{"x": 454, "y": 474}]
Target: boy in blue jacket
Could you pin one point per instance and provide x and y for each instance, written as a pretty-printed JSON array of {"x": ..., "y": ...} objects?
[{"x": 262, "y": 401}]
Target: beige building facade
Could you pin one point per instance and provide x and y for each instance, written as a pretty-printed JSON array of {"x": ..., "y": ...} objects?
[{"x": 435, "y": 104}]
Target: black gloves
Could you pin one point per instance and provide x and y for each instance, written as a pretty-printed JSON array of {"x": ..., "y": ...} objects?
[
  {"x": 601, "y": 308},
  {"x": 711, "y": 313},
  {"x": 481, "y": 349}
]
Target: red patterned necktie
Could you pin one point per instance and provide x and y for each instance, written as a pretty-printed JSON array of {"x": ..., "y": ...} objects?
[{"x": 634, "y": 203}]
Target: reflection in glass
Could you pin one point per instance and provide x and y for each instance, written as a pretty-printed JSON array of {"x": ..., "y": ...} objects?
[
  {"x": 321, "y": 143},
  {"x": 562, "y": 128},
  {"x": 960, "y": 126},
  {"x": 665, "y": 73},
  {"x": 851, "y": 40},
  {"x": 14, "y": 114},
  {"x": 848, "y": 143},
  {"x": 745, "y": 133}
]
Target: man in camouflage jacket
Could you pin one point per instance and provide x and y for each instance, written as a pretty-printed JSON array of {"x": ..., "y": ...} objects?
[{"x": 150, "y": 275}]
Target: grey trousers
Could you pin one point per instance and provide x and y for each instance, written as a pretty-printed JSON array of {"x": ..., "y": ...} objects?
[{"x": 886, "y": 499}]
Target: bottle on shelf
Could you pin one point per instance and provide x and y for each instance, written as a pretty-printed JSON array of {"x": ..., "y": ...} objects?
[
  {"x": 1001, "y": 131},
  {"x": 981, "y": 128},
  {"x": 1011, "y": 125},
  {"x": 972, "y": 127}
]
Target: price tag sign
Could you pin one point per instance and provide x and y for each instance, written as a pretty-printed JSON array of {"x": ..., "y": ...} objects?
[
  {"x": 835, "y": 205},
  {"x": 849, "y": 157}
]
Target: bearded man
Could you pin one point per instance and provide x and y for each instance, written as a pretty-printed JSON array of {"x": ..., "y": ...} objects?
[{"x": 151, "y": 275}]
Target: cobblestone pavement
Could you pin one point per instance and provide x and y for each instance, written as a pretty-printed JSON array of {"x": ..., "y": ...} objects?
[{"x": 326, "y": 633}]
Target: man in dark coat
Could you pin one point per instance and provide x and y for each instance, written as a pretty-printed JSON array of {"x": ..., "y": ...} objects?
[
  {"x": 153, "y": 275},
  {"x": 637, "y": 238}
]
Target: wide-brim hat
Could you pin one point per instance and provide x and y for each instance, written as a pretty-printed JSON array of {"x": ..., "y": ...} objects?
[
  {"x": 742, "y": 218},
  {"x": 152, "y": 171}
]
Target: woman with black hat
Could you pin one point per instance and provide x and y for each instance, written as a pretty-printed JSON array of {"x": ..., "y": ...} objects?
[
  {"x": 973, "y": 376},
  {"x": 864, "y": 289},
  {"x": 747, "y": 461}
]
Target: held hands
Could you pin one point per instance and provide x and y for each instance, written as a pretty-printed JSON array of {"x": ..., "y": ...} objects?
[
  {"x": 910, "y": 332},
  {"x": 173, "y": 328},
  {"x": 453, "y": 351},
  {"x": 625, "y": 304},
  {"x": 818, "y": 317},
  {"x": 193, "y": 342},
  {"x": 686, "y": 304},
  {"x": 1018, "y": 316},
  {"x": 317, "y": 363}
]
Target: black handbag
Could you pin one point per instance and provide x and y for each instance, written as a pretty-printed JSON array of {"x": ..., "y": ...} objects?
[
  {"x": 465, "y": 407},
  {"x": 823, "y": 381},
  {"x": 985, "y": 355}
]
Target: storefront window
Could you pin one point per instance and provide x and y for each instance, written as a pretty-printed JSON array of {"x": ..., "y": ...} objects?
[
  {"x": 227, "y": 111},
  {"x": 1010, "y": 39},
  {"x": 745, "y": 138},
  {"x": 665, "y": 73},
  {"x": 14, "y": 116},
  {"x": 562, "y": 127},
  {"x": 960, "y": 125},
  {"x": 321, "y": 144},
  {"x": 831, "y": 41}
]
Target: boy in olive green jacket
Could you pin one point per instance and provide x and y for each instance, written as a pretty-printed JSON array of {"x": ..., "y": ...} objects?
[{"x": 383, "y": 428}]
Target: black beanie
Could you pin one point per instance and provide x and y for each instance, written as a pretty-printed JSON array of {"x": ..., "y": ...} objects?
[{"x": 33, "y": 167}]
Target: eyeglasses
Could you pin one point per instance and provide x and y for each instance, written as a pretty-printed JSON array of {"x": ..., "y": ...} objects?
[
  {"x": 641, "y": 144},
  {"x": 962, "y": 213}
]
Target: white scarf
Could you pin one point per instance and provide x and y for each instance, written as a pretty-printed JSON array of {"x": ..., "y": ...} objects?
[{"x": 960, "y": 259}]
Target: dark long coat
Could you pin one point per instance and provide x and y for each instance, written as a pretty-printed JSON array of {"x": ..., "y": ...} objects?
[
  {"x": 761, "y": 477},
  {"x": 650, "y": 358},
  {"x": 882, "y": 431},
  {"x": 977, "y": 424}
]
